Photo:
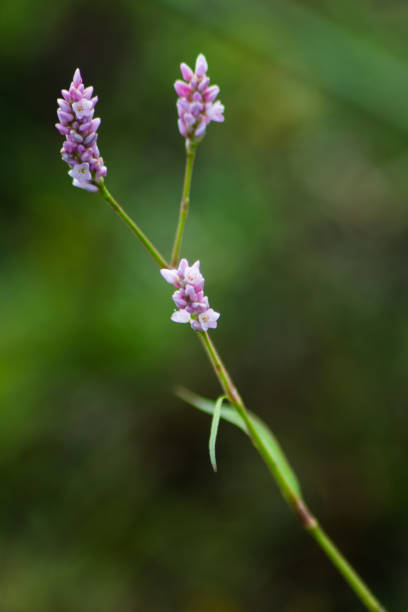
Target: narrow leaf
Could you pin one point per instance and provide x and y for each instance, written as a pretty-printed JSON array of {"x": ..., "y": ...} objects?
[
  {"x": 214, "y": 430},
  {"x": 231, "y": 415}
]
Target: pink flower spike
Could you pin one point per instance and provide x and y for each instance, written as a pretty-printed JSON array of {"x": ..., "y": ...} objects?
[
  {"x": 186, "y": 72},
  {"x": 196, "y": 105},
  {"x": 80, "y": 152},
  {"x": 170, "y": 276},
  {"x": 193, "y": 306},
  {"x": 201, "y": 65},
  {"x": 180, "y": 316}
]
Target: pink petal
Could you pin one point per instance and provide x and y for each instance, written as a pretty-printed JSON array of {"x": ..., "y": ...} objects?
[
  {"x": 182, "y": 89},
  {"x": 64, "y": 105},
  {"x": 189, "y": 120},
  {"x": 77, "y": 80},
  {"x": 88, "y": 92},
  {"x": 186, "y": 72},
  {"x": 200, "y": 130},
  {"x": 182, "y": 128},
  {"x": 204, "y": 84},
  {"x": 63, "y": 129},
  {"x": 64, "y": 117},
  {"x": 215, "y": 112},
  {"x": 182, "y": 266},
  {"x": 211, "y": 93}
]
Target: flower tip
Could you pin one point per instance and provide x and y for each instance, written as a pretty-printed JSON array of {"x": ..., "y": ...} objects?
[
  {"x": 77, "y": 79},
  {"x": 186, "y": 72},
  {"x": 182, "y": 266},
  {"x": 201, "y": 65}
]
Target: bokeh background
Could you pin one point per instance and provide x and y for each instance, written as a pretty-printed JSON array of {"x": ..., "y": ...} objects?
[{"x": 300, "y": 218}]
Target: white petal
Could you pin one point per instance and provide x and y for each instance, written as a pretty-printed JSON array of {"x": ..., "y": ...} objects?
[
  {"x": 170, "y": 276},
  {"x": 180, "y": 316}
]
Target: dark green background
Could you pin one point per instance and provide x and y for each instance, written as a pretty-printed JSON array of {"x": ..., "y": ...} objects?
[{"x": 300, "y": 219}]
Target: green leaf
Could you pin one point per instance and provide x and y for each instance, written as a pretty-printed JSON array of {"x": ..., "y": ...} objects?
[
  {"x": 214, "y": 429},
  {"x": 231, "y": 415}
]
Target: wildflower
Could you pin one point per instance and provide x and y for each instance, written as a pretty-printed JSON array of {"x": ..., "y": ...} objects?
[
  {"x": 196, "y": 105},
  {"x": 193, "y": 306},
  {"x": 76, "y": 123}
]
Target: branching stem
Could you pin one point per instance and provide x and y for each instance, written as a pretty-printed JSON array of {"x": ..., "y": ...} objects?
[
  {"x": 161, "y": 262},
  {"x": 293, "y": 498}
]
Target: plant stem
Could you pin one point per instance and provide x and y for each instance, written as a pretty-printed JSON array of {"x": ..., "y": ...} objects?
[
  {"x": 161, "y": 262},
  {"x": 344, "y": 567},
  {"x": 185, "y": 202},
  {"x": 296, "y": 502},
  {"x": 293, "y": 498}
]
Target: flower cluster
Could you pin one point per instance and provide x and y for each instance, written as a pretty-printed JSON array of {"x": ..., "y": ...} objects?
[
  {"x": 196, "y": 106},
  {"x": 189, "y": 298},
  {"x": 80, "y": 151}
]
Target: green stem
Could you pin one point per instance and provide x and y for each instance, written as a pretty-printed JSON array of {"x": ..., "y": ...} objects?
[
  {"x": 185, "y": 202},
  {"x": 296, "y": 502},
  {"x": 162, "y": 263},
  {"x": 344, "y": 567}
]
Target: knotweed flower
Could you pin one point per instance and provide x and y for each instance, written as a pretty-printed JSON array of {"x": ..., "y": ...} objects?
[
  {"x": 80, "y": 151},
  {"x": 193, "y": 306},
  {"x": 196, "y": 105}
]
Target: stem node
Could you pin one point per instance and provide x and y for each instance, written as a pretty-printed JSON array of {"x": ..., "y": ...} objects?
[{"x": 307, "y": 520}]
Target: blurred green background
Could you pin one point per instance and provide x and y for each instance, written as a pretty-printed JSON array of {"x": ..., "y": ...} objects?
[{"x": 300, "y": 218}]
